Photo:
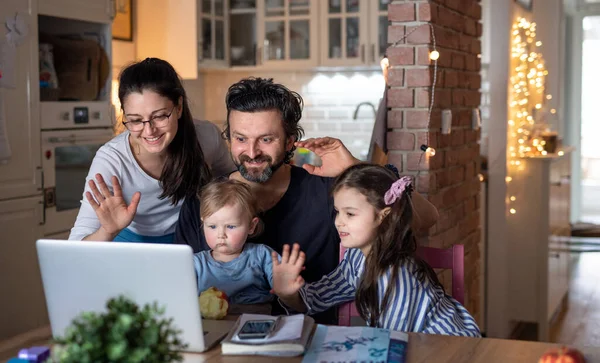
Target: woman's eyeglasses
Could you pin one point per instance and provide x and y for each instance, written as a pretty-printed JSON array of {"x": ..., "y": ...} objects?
[{"x": 157, "y": 121}]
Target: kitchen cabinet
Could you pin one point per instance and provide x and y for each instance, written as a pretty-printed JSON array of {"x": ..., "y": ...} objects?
[
  {"x": 96, "y": 11},
  {"x": 213, "y": 33},
  {"x": 355, "y": 32},
  {"x": 539, "y": 231},
  {"x": 22, "y": 306},
  {"x": 261, "y": 34},
  {"x": 20, "y": 174}
]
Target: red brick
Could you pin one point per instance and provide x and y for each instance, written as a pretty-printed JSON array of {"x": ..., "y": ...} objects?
[
  {"x": 401, "y": 12},
  {"x": 472, "y": 98},
  {"x": 458, "y": 61},
  {"x": 421, "y": 161},
  {"x": 426, "y": 183},
  {"x": 450, "y": 79},
  {"x": 420, "y": 77},
  {"x": 396, "y": 158},
  {"x": 471, "y": 136},
  {"x": 474, "y": 81},
  {"x": 394, "y": 119},
  {"x": 469, "y": 169},
  {"x": 416, "y": 119},
  {"x": 443, "y": 98},
  {"x": 457, "y": 175},
  {"x": 401, "y": 55},
  {"x": 471, "y": 27},
  {"x": 423, "y": 56},
  {"x": 445, "y": 60},
  {"x": 395, "y": 33},
  {"x": 470, "y": 205},
  {"x": 475, "y": 46},
  {"x": 420, "y": 34},
  {"x": 445, "y": 140},
  {"x": 422, "y": 97},
  {"x": 458, "y": 97},
  {"x": 400, "y": 140},
  {"x": 458, "y": 137},
  {"x": 472, "y": 62},
  {"x": 427, "y": 12},
  {"x": 479, "y": 30},
  {"x": 474, "y": 10},
  {"x": 400, "y": 97},
  {"x": 464, "y": 42},
  {"x": 395, "y": 76}
]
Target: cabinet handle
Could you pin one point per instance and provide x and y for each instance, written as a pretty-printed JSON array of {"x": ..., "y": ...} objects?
[
  {"x": 362, "y": 53},
  {"x": 373, "y": 53}
]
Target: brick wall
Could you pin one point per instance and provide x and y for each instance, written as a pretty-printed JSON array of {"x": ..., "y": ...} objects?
[{"x": 450, "y": 178}]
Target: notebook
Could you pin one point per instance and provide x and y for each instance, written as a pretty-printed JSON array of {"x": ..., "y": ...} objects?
[
  {"x": 290, "y": 338},
  {"x": 341, "y": 344}
]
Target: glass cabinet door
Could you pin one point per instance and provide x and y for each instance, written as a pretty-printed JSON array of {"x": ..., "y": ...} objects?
[
  {"x": 213, "y": 29},
  {"x": 288, "y": 31},
  {"x": 345, "y": 25},
  {"x": 378, "y": 36},
  {"x": 244, "y": 50}
]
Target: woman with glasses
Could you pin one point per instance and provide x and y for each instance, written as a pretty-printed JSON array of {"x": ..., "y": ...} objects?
[{"x": 138, "y": 180}]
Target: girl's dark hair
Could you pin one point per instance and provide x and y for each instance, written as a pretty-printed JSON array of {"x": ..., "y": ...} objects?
[
  {"x": 261, "y": 94},
  {"x": 185, "y": 170},
  {"x": 394, "y": 244}
]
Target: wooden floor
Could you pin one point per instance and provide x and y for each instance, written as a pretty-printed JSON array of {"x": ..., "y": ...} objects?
[{"x": 579, "y": 324}]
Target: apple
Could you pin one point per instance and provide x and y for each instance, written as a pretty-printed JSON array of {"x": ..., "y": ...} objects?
[
  {"x": 214, "y": 303},
  {"x": 562, "y": 355}
]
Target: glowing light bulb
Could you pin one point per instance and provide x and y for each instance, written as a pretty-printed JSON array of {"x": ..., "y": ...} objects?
[
  {"x": 561, "y": 153},
  {"x": 513, "y": 198},
  {"x": 513, "y": 211},
  {"x": 553, "y": 111},
  {"x": 508, "y": 179},
  {"x": 434, "y": 55},
  {"x": 549, "y": 97},
  {"x": 428, "y": 150}
]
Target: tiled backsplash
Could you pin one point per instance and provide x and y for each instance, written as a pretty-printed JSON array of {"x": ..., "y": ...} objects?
[{"x": 330, "y": 99}]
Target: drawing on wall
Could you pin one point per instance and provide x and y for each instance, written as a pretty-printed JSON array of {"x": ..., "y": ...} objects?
[{"x": 122, "y": 26}]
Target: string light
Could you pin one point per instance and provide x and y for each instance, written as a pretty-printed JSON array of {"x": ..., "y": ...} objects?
[
  {"x": 434, "y": 55},
  {"x": 526, "y": 99}
]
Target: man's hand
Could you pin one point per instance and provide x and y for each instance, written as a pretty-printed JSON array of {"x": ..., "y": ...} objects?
[
  {"x": 335, "y": 156},
  {"x": 286, "y": 274}
]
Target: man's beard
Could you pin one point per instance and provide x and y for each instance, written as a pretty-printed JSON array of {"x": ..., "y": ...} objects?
[{"x": 259, "y": 177}]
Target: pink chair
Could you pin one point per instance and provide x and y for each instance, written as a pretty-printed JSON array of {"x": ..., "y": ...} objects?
[{"x": 451, "y": 258}]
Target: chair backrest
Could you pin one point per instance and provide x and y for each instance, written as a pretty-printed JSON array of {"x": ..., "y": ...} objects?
[{"x": 451, "y": 258}]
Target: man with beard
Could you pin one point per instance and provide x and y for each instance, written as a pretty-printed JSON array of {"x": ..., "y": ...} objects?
[{"x": 263, "y": 131}]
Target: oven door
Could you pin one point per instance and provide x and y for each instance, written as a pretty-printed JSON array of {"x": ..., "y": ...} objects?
[{"x": 66, "y": 159}]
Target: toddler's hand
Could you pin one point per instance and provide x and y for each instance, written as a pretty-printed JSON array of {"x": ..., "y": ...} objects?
[{"x": 286, "y": 274}]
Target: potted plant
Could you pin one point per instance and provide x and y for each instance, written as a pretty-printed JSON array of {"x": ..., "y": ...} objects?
[{"x": 124, "y": 333}]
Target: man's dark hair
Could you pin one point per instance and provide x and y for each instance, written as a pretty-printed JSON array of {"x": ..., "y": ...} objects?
[{"x": 262, "y": 94}]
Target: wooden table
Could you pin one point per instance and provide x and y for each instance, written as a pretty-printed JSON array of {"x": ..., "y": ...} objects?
[
  {"x": 425, "y": 348},
  {"x": 422, "y": 348}
]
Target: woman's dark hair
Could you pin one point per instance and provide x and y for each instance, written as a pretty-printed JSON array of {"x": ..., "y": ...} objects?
[
  {"x": 261, "y": 94},
  {"x": 394, "y": 244},
  {"x": 185, "y": 170}
]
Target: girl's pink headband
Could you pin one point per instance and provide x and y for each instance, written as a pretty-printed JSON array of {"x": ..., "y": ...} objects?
[{"x": 396, "y": 190}]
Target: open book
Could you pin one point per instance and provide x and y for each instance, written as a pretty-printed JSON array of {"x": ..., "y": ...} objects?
[
  {"x": 340, "y": 344},
  {"x": 290, "y": 338}
]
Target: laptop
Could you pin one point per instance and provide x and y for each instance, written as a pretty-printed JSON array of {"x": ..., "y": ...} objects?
[{"x": 83, "y": 276}]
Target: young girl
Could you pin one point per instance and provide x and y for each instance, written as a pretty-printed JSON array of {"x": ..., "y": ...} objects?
[
  {"x": 228, "y": 213},
  {"x": 394, "y": 289}
]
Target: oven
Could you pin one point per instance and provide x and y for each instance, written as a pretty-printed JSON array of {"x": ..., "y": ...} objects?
[{"x": 66, "y": 159}]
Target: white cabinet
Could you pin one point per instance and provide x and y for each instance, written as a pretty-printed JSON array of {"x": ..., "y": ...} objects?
[
  {"x": 22, "y": 306},
  {"x": 287, "y": 33},
  {"x": 21, "y": 174},
  {"x": 213, "y": 33},
  {"x": 96, "y": 11},
  {"x": 355, "y": 32},
  {"x": 538, "y": 255},
  {"x": 261, "y": 34}
]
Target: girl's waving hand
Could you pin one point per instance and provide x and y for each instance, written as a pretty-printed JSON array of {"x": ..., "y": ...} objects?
[{"x": 286, "y": 274}]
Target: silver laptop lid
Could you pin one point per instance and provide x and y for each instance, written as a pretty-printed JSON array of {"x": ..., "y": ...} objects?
[{"x": 82, "y": 276}]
